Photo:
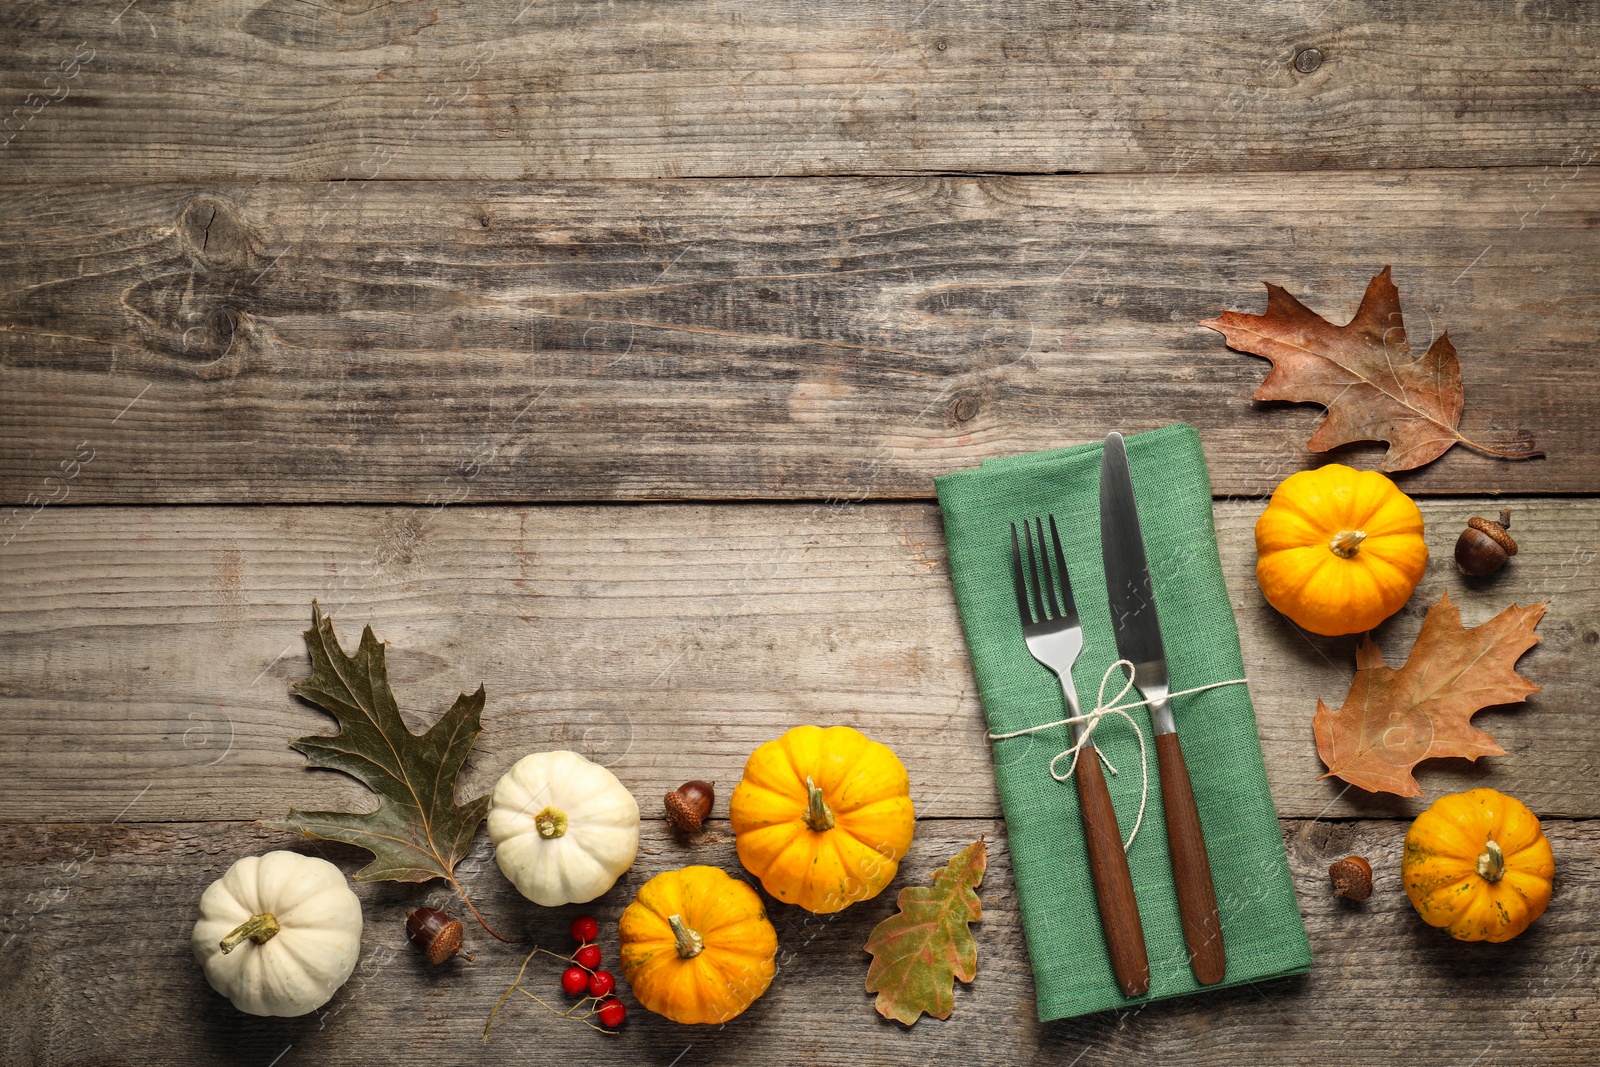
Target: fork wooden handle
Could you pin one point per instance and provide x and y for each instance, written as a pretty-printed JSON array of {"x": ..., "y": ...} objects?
[
  {"x": 1191, "y": 870},
  {"x": 1113, "y": 885}
]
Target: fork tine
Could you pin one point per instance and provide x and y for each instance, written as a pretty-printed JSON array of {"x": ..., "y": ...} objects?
[
  {"x": 1044, "y": 558},
  {"x": 1033, "y": 571},
  {"x": 1068, "y": 605},
  {"x": 1022, "y": 585}
]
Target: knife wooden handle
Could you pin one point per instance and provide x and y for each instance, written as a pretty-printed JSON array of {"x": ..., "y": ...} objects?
[
  {"x": 1191, "y": 870},
  {"x": 1113, "y": 885}
]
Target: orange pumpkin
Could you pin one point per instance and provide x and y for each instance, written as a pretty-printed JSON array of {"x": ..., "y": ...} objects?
[
  {"x": 1339, "y": 550},
  {"x": 697, "y": 946},
  {"x": 1477, "y": 863},
  {"x": 823, "y": 817}
]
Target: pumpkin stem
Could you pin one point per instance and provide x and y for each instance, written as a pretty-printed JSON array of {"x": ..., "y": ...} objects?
[
  {"x": 1345, "y": 543},
  {"x": 690, "y": 943},
  {"x": 818, "y": 815},
  {"x": 1492, "y": 864},
  {"x": 551, "y": 822},
  {"x": 257, "y": 928}
]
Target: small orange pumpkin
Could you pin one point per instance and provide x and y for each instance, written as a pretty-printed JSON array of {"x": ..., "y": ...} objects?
[
  {"x": 823, "y": 817},
  {"x": 1477, "y": 864},
  {"x": 1339, "y": 550},
  {"x": 697, "y": 946}
]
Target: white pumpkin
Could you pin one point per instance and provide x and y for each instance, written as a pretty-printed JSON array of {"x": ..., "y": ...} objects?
[
  {"x": 278, "y": 934},
  {"x": 564, "y": 829}
]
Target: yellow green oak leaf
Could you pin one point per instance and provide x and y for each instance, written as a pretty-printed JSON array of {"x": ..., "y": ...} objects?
[{"x": 918, "y": 953}]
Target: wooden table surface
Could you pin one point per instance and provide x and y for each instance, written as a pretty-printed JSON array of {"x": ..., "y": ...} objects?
[{"x": 605, "y": 353}]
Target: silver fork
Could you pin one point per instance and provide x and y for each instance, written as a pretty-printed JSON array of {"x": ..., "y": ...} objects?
[{"x": 1054, "y": 636}]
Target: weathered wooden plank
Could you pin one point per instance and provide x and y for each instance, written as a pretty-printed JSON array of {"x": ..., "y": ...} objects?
[
  {"x": 94, "y": 910},
  {"x": 280, "y": 89},
  {"x": 399, "y": 342},
  {"x": 154, "y": 647}
]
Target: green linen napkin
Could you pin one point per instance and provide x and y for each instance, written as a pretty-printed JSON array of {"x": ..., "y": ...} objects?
[{"x": 1261, "y": 923}]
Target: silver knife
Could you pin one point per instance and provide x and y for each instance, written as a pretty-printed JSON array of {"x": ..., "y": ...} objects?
[{"x": 1138, "y": 630}]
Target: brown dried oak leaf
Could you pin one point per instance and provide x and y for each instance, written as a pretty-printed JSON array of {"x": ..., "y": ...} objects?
[
  {"x": 1365, "y": 375},
  {"x": 417, "y": 831},
  {"x": 1395, "y": 718},
  {"x": 919, "y": 952}
]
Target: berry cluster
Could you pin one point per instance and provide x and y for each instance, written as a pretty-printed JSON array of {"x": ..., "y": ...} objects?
[
  {"x": 582, "y": 978},
  {"x": 585, "y": 978}
]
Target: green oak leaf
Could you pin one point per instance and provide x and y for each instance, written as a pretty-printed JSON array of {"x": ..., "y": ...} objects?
[
  {"x": 417, "y": 831},
  {"x": 918, "y": 953}
]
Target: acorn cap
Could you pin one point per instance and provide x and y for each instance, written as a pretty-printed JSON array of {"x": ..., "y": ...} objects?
[
  {"x": 1352, "y": 878},
  {"x": 445, "y": 943},
  {"x": 681, "y": 814},
  {"x": 435, "y": 933},
  {"x": 1495, "y": 532}
]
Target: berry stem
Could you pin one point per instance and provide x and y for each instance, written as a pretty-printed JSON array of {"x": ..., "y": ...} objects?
[
  {"x": 584, "y": 1019},
  {"x": 503, "y": 996},
  {"x": 516, "y": 987}
]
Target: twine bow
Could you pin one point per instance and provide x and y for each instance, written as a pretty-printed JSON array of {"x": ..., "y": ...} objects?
[{"x": 1092, "y": 718}]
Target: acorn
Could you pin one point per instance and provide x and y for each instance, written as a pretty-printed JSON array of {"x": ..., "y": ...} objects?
[
  {"x": 1352, "y": 878},
  {"x": 689, "y": 804},
  {"x": 1484, "y": 546},
  {"x": 435, "y": 934}
]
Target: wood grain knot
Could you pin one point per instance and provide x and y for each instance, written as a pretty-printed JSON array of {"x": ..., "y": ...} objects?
[
  {"x": 213, "y": 231},
  {"x": 194, "y": 309},
  {"x": 1307, "y": 60}
]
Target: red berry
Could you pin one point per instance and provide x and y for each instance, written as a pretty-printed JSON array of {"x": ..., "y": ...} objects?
[
  {"x": 587, "y": 957},
  {"x": 585, "y": 929},
  {"x": 574, "y": 980},
  {"x": 601, "y": 983},
  {"x": 611, "y": 1013}
]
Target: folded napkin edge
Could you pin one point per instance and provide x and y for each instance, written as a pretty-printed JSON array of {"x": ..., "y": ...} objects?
[
  {"x": 1030, "y": 459},
  {"x": 1070, "y": 1006}
]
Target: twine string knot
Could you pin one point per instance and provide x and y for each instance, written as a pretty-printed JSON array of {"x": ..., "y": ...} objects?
[{"x": 1092, "y": 718}]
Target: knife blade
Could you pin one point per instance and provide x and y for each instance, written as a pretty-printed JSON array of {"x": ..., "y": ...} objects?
[{"x": 1137, "y": 627}]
